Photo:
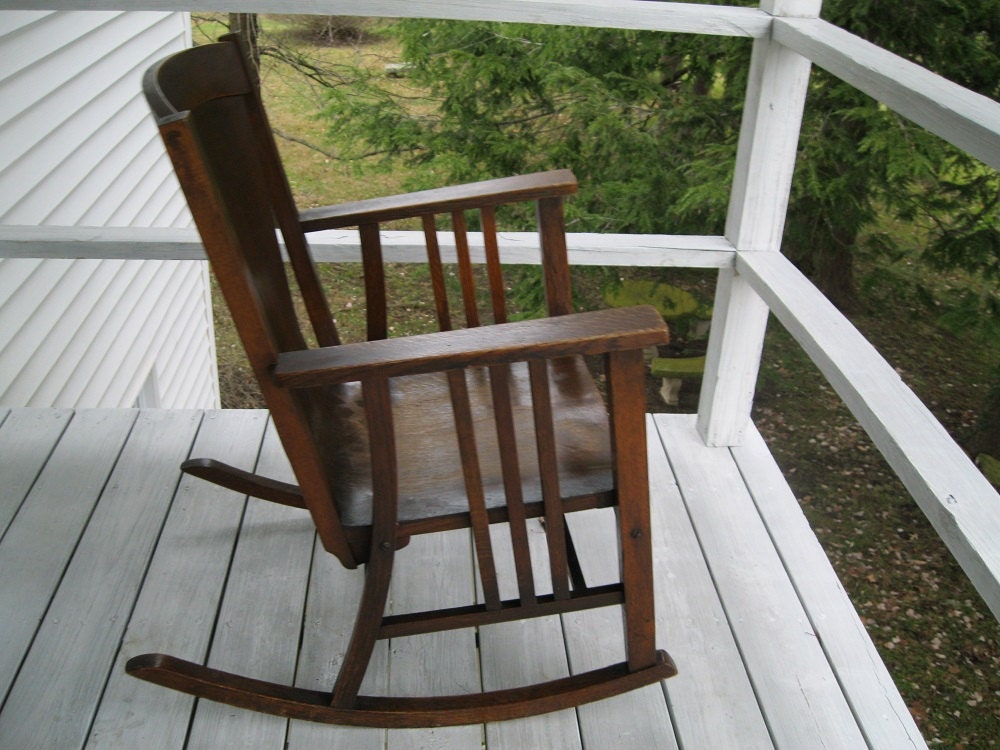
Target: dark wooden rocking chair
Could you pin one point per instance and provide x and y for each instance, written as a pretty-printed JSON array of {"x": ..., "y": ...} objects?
[{"x": 394, "y": 437}]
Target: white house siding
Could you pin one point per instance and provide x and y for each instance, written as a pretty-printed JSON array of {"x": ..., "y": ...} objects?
[{"x": 77, "y": 147}]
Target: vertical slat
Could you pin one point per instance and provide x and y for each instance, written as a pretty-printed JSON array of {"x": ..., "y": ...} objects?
[
  {"x": 510, "y": 466},
  {"x": 437, "y": 273},
  {"x": 474, "y": 487},
  {"x": 628, "y": 442},
  {"x": 498, "y": 296},
  {"x": 375, "y": 301},
  {"x": 548, "y": 469},
  {"x": 465, "y": 269},
  {"x": 555, "y": 266}
]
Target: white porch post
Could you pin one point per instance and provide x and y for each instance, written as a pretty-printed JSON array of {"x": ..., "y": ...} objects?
[{"x": 772, "y": 118}]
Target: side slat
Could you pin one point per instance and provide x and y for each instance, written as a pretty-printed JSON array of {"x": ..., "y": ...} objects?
[
  {"x": 474, "y": 487},
  {"x": 498, "y": 296},
  {"x": 510, "y": 466},
  {"x": 465, "y": 275},
  {"x": 437, "y": 273},
  {"x": 376, "y": 307},
  {"x": 555, "y": 265},
  {"x": 548, "y": 463}
]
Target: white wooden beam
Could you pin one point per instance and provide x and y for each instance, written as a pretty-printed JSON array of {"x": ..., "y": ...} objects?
[
  {"x": 959, "y": 502},
  {"x": 616, "y": 14},
  {"x": 765, "y": 162},
  {"x": 962, "y": 117},
  {"x": 136, "y": 243}
]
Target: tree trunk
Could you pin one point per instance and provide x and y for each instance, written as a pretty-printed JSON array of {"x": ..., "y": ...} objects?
[
  {"x": 248, "y": 27},
  {"x": 822, "y": 247},
  {"x": 986, "y": 435}
]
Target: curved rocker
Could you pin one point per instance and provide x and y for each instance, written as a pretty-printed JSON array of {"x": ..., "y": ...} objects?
[{"x": 375, "y": 711}]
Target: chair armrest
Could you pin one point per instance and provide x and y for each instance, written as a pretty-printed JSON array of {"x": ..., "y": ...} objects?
[
  {"x": 548, "y": 338},
  {"x": 440, "y": 200}
]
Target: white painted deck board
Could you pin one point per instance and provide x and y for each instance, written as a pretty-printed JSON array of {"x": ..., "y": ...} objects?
[
  {"x": 41, "y": 539},
  {"x": 190, "y": 565},
  {"x": 60, "y": 684},
  {"x": 25, "y": 439},
  {"x": 171, "y": 564},
  {"x": 881, "y": 712},
  {"x": 259, "y": 635},
  {"x": 799, "y": 695}
]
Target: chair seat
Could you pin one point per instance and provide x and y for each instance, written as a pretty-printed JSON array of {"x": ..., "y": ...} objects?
[{"x": 431, "y": 482}]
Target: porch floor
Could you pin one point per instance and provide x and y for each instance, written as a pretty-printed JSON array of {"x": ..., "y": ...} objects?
[{"x": 107, "y": 552}]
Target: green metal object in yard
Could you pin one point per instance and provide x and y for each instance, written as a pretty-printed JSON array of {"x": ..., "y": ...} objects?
[
  {"x": 677, "y": 367},
  {"x": 670, "y": 301}
]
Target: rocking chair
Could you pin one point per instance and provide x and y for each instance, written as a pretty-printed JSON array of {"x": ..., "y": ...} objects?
[{"x": 393, "y": 437}]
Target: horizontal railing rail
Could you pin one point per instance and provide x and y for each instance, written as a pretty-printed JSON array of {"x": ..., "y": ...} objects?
[
  {"x": 960, "y": 503},
  {"x": 964, "y": 118},
  {"x": 718, "y": 20},
  {"x": 336, "y": 246}
]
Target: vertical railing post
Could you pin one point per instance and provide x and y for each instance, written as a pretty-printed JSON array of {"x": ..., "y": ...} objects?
[{"x": 765, "y": 161}]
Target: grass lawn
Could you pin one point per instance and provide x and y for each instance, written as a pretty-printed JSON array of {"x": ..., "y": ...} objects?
[{"x": 937, "y": 637}]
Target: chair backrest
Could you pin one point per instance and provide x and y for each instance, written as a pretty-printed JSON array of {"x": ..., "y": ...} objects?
[
  {"x": 216, "y": 133},
  {"x": 211, "y": 93}
]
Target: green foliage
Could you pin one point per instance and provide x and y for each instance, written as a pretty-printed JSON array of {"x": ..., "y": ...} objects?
[
  {"x": 649, "y": 123},
  {"x": 495, "y": 99}
]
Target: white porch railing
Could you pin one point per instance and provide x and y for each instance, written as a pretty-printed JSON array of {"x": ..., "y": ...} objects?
[{"x": 753, "y": 278}]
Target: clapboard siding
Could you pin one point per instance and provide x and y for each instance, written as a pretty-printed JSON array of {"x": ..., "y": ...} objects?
[{"x": 78, "y": 148}]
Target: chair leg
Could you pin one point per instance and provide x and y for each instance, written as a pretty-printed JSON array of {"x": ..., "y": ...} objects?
[
  {"x": 628, "y": 432},
  {"x": 378, "y": 574}
]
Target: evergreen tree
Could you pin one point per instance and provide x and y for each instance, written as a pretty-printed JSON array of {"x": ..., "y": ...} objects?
[{"x": 649, "y": 122}]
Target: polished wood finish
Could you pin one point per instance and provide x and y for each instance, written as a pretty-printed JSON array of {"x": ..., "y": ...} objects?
[{"x": 485, "y": 421}]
